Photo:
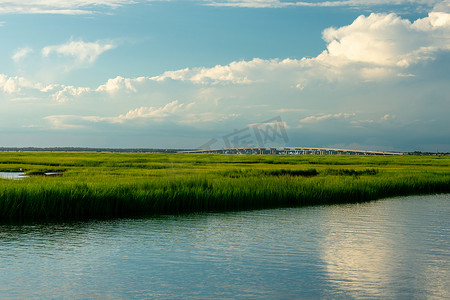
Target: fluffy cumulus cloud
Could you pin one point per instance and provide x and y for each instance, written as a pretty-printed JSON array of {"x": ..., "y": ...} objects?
[
  {"x": 235, "y": 72},
  {"x": 65, "y": 93},
  {"x": 83, "y": 52},
  {"x": 119, "y": 83},
  {"x": 65, "y": 7},
  {"x": 13, "y": 85},
  {"x": 372, "y": 47},
  {"x": 387, "y": 40},
  {"x": 19, "y": 86}
]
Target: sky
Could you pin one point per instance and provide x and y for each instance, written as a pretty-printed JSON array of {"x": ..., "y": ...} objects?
[{"x": 355, "y": 74}]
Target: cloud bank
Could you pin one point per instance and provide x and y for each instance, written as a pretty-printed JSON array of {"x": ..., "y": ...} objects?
[
  {"x": 351, "y": 3},
  {"x": 88, "y": 7},
  {"x": 62, "y": 7},
  {"x": 373, "y": 47}
]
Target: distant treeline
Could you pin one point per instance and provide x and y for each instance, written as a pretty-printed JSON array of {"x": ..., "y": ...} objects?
[
  {"x": 429, "y": 153},
  {"x": 86, "y": 149},
  {"x": 144, "y": 150}
]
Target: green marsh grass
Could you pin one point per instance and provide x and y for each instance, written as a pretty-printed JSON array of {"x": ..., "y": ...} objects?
[{"x": 110, "y": 185}]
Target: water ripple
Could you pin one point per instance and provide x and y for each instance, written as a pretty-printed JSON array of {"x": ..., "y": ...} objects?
[{"x": 395, "y": 248}]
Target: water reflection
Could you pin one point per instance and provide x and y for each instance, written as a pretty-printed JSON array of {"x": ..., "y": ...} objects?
[
  {"x": 358, "y": 250},
  {"x": 386, "y": 249},
  {"x": 399, "y": 250}
]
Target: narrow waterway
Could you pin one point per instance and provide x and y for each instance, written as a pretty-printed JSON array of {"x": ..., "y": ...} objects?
[{"x": 389, "y": 249}]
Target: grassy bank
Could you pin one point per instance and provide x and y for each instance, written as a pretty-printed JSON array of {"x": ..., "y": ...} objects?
[{"x": 100, "y": 185}]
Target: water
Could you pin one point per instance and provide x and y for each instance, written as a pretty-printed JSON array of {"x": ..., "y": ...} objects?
[
  {"x": 389, "y": 249},
  {"x": 12, "y": 175},
  {"x": 21, "y": 175}
]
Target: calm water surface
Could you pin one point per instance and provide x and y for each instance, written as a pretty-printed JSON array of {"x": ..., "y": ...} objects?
[
  {"x": 396, "y": 248},
  {"x": 12, "y": 175}
]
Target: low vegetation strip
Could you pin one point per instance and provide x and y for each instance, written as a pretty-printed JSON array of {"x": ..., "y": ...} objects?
[{"x": 110, "y": 185}]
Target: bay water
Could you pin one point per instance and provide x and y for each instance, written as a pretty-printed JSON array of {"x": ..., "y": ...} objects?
[{"x": 396, "y": 248}]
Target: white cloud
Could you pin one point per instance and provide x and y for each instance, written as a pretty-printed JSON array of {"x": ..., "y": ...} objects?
[
  {"x": 68, "y": 7},
  {"x": 25, "y": 99},
  {"x": 372, "y": 47},
  {"x": 387, "y": 40},
  {"x": 67, "y": 92},
  {"x": 19, "y": 85},
  {"x": 300, "y": 86},
  {"x": 12, "y": 85},
  {"x": 119, "y": 83},
  {"x": 380, "y": 47},
  {"x": 405, "y": 75},
  {"x": 280, "y": 4},
  {"x": 251, "y": 3},
  {"x": 285, "y": 110},
  {"x": 443, "y": 6},
  {"x": 200, "y": 118},
  {"x": 21, "y": 53},
  {"x": 323, "y": 117},
  {"x": 437, "y": 19},
  {"x": 149, "y": 112},
  {"x": 239, "y": 72},
  {"x": 62, "y": 122},
  {"x": 64, "y": 7},
  {"x": 235, "y": 72},
  {"x": 387, "y": 117},
  {"x": 362, "y": 121},
  {"x": 83, "y": 52}
]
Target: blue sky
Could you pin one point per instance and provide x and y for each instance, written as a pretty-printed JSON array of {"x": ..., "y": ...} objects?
[{"x": 370, "y": 74}]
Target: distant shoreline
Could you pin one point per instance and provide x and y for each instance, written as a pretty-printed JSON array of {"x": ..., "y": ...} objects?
[
  {"x": 146, "y": 150},
  {"x": 89, "y": 150}
]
